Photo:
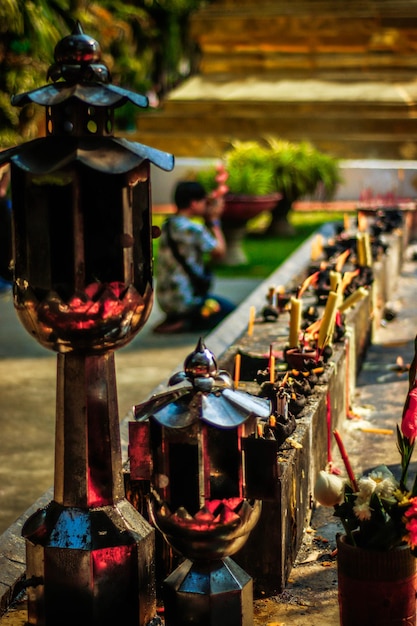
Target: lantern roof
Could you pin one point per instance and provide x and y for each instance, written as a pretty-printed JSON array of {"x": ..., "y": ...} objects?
[
  {"x": 78, "y": 73},
  {"x": 114, "y": 155},
  {"x": 94, "y": 94},
  {"x": 201, "y": 392}
]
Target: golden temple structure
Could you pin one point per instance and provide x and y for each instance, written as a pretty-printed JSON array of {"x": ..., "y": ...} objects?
[{"x": 342, "y": 75}]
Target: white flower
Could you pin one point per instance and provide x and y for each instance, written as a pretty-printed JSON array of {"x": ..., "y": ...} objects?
[
  {"x": 385, "y": 483},
  {"x": 366, "y": 487},
  {"x": 329, "y": 489},
  {"x": 362, "y": 510}
]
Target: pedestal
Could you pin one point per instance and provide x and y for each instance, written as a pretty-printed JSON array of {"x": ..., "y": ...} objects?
[{"x": 212, "y": 593}]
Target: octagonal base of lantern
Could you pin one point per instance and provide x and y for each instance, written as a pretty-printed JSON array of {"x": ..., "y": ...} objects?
[
  {"x": 210, "y": 593},
  {"x": 90, "y": 567}
]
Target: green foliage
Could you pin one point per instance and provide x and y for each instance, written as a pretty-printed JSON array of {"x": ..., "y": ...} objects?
[
  {"x": 207, "y": 178},
  {"x": 250, "y": 169},
  {"x": 300, "y": 168},
  {"x": 144, "y": 43},
  {"x": 260, "y": 168}
]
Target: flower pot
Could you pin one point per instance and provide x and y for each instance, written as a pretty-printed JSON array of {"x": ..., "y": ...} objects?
[
  {"x": 238, "y": 209},
  {"x": 376, "y": 588}
]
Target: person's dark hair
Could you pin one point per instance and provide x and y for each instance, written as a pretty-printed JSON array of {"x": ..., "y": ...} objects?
[{"x": 186, "y": 191}]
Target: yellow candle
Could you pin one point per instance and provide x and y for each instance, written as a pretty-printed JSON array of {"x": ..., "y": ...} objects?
[
  {"x": 368, "y": 249},
  {"x": 320, "y": 240},
  {"x": 354, "y": 297},
  {"x": 314, "y": 252},
  {"x": 378, "y": 431},
  {"x": 272, "y": 369},
  {"x": 335, "y": 280},
  {"x": 346, "y": 221},
  {"x": 238, "y": 360},
  {"x": 295, "y": 322},
  {"x": 360, "y": 250},
  {"x": 327, "y": 322},
  {"x": 341, "y": 260},
  {"x": 362, "y": 222},
  {"x": 251, "y": 320}
]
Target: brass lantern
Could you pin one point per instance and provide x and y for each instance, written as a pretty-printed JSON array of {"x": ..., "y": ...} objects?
[
  {"x": 191, "y": 444},
  {"x": 83, "y": 287}
]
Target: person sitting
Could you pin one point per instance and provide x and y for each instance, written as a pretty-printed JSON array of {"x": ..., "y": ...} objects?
[{"x": 183, "y": 282}]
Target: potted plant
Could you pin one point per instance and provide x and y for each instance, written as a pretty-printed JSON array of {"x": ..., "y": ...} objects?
[
  {"x": 376, "y": 555},
  {"x": 275, "y": 166},
  {"x": 247, "y": 171},
  {"x": 300, "y": 170}
]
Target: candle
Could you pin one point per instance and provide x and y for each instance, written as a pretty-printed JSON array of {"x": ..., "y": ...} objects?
[
  {"x": 315, "y": 252},
  {"x": 360, "y": 250},
  {"x": 272, "y": 421},
  {"x": 341, "y": 260},
  {"x": 362, "y": 222},
  {"x": 335, "y": 280},
  {"x": 368, "y": 249},
  {"x": 346, "y": 221},
  {"x": 345, "y": 460},
  {"x": 354, "y": 297},
  {"x": 272, "y": 369},
  {"x": 319, "y": 240},
  {"x": 378, "y": 431},
  {"x": 251, "y": 320},
  {"x": 295, "y": 322},
  {"x": 327, "y": 322},
  {"x": 238, "y": 360}
]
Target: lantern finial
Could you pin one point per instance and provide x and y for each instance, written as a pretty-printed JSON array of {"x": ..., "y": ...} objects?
[
  {"x": 200, "y": 363},
  {"x": 77, "y": 59}
]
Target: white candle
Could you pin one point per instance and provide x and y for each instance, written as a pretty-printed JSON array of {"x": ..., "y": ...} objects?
[{"x": 295, "y": 322}]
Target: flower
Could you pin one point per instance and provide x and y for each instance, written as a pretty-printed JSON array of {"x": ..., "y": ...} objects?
[
  {"x": 362, "y": 509},
  {"x": 378, "y": 510},
  {"x": 329, "y": 489},
  {"x": 410, "y": 516},
  {"x": 409, "y": 420}
]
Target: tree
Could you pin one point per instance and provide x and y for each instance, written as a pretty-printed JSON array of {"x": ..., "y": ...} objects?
[{"x": 143, "y": 44}]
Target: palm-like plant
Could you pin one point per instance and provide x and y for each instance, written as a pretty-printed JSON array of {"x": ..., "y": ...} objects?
[
  {"x": 300, "y": 170},
  {"x": 250, "y": 169}
]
